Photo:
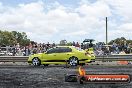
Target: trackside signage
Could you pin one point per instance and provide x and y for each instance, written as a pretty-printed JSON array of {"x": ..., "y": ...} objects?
[
  {"x": 107, "y": 78},
  {"x": 103, "y": 78}
]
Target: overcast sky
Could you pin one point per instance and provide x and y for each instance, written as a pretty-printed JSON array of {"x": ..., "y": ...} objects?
[{"x": 73, "y": 20}]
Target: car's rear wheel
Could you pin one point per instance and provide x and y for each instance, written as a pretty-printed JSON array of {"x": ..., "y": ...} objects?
[
  {"x": 36, "y": 61},
  {"x": 73, "y": 61}
]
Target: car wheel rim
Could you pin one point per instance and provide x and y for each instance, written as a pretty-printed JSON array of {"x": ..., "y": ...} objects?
[
  {"x": 35, "y": 61},
  {"x": 73, "y": 61}
]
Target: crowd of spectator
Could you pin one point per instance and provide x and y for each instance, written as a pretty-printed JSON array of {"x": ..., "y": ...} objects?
[
  {"x": 99, "y": 48},
  {"x": 102, "y": 49},
  {"x": 18, "y": 50}
]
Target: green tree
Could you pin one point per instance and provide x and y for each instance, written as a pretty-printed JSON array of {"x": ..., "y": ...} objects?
[
  {"x": 11, "y": 38},
  {"x": 6, "y": 38},
  {"x": 21, "y": 38},
  {"x": 120, "y": 41},
  {"x": 69, "y": 44}
]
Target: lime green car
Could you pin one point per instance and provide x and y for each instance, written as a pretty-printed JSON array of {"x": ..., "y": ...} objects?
[{"x": 61, "y": 55}]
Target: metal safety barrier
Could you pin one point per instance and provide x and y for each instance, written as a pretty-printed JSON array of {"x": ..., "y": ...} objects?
[
  {"x": 98, "y": 58},
  {"x": 13, "y": 58},
  {"x": 127, "y": 57}
]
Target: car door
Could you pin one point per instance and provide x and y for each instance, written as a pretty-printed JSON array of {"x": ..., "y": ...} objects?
[
  {"x": 64, "y": 53},
  {"x": 51, "y": 55}
]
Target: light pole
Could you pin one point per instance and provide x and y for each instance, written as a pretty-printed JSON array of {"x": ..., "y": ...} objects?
[{"x": 106, "y": 33}]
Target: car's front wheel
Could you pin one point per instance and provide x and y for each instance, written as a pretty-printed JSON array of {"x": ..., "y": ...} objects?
[
  {"x": 36, "y": 61},
  {"x": 73, "y": 61}
]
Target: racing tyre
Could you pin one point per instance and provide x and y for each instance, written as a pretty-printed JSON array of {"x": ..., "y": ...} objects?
[
  {"x": 81, "y": 80},
  {"x": 71, "y": 78},
  {"x": 73, "y": 61},
  {"x": 36, "y": 61}
]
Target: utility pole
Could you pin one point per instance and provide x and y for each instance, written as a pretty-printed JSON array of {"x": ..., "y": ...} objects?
[{"x": 106, "y": 33}]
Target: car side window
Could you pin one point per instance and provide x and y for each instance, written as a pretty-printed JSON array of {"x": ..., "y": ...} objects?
[
  {"x": 65, "y": 49},
  {"x": 50, "y": 51},
  {"x": 53, "y": 50}
]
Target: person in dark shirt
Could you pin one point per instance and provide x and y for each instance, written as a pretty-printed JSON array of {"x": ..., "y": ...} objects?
[
  {"x": 77, "y": 44},
  {"x": 14, "y": 50},
  {"x": 27, "y": 51},
  {"x": 47, "y": 46},
  {"x": 73, "y": 44},
  {"x": 91, "y": 44},
  {"x": 53, "y": 45}
]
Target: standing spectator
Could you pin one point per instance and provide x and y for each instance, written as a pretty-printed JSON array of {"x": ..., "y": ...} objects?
[
  {"x": 91, "y": 44},
  {"x": 14, "y": 50},
  {"x": 53, "y": 45},
  {"x": 34, "y": 49},
  {"x": 106, "y": 51},
  {"x": 100, "y": 46},
  {"x": 47, "y": 46},
  {"x": 18, "y": 45},
  {"x": 100, "y": 52},
  {"x": 125, "y": 44},
  {"x": 17, "y": 48},
  {"x": 38, "y": 48},
  {"x": 77, "y": 45},
  {"x": 97, "y": 46},
  {"x": 129, "y": 48},
  {"x": 117, "y": 49},
  {"x": 26, "y": 51},
  {"x": 86, "y": 46},
  {"x": 30, "y": 46},
  {"x": 82, "y": 46},
  {"x": 114, "y": 45},
  {"x": 43, "y": 47},
  {"x": 73, "y": 44}
]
